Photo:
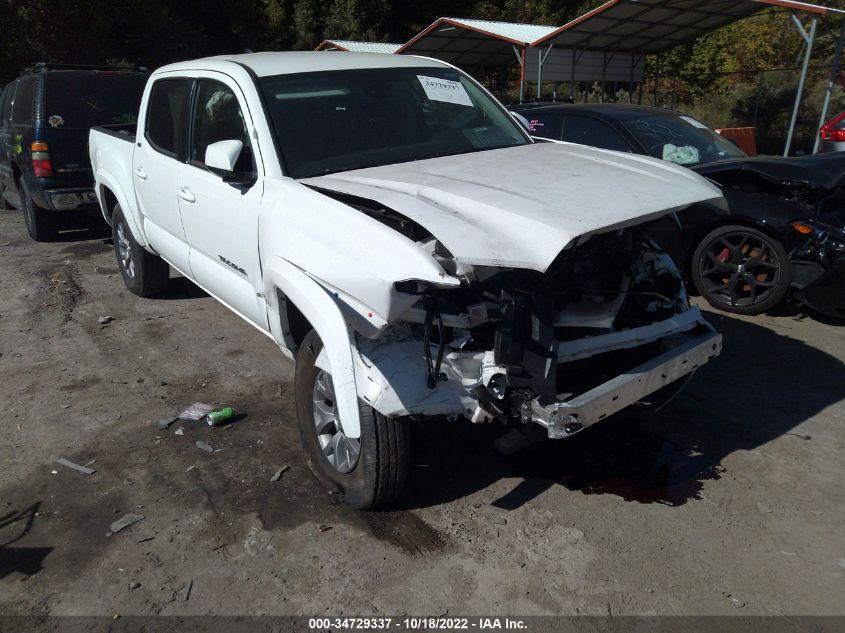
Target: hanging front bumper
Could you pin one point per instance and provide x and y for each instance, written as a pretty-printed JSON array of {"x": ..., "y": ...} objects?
[{"x": 563, "y": 418}]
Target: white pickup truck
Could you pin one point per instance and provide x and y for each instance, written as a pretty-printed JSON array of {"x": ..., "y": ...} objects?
[{"x": 393, "y": 229}]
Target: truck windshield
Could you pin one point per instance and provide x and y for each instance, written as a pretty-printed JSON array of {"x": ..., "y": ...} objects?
[
  {"x": 335, "y": 121},
  {"x": 681, "y": 139}
]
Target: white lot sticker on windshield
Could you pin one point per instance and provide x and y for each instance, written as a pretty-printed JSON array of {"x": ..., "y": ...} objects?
[
  {"x": 692, "y": 121},
  {"x": 438, "y": 89}
]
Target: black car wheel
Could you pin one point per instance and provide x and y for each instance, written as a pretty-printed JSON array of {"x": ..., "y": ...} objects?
[
  {"x": 741, "y": 270},
  {"x": 40, "y": 223},
  {"x": 145, "y": 274},
  {"x": 370, "y": 471}
]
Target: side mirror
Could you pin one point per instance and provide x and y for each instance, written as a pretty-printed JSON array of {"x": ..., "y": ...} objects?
[{"x": 223, "y": 155}]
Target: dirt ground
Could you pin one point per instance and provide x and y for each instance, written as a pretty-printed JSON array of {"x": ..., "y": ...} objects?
[{"x": 730, "y": 501}]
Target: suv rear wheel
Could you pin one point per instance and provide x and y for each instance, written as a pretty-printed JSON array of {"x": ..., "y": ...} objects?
[{"x": 40, "y": 223}]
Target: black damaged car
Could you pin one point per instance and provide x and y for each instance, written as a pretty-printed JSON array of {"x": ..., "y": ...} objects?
[{"x": 785, "y": 234}]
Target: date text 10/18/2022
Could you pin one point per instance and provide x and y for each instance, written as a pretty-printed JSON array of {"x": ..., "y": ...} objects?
[{"x": 417, "y": 624}]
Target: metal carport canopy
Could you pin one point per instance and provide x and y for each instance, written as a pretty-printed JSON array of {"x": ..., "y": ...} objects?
[
  {"x": 654, "y": 26},
  {"x": 474, "y": 42},
  {"x": 353, "y": 46}
]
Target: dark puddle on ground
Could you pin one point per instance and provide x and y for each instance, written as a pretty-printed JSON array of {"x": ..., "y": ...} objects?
[{"x": 620, "y": 456}]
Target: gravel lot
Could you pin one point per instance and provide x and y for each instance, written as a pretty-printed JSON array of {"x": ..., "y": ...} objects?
[{"x": 731, "y": 501}]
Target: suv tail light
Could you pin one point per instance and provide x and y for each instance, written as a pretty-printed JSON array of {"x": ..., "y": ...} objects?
[
  {"x": 41, "y": 164},
  {"x": 831, "y": 130}
]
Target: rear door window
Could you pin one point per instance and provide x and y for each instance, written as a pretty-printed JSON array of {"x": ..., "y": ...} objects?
[
  {"x": 544, "y": 124},
  {"x": 82, "y": 100},
  {"x": 167, "y": 115},
  {"x": 22, "y": 102},
  {"x": 589, "y": 131}
]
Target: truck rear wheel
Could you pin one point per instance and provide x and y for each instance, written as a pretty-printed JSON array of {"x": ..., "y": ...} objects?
[
  {"x": 145, "y": 274},
  {"x": 370, "y": 471},
  {"x": 40, "y": 223}
]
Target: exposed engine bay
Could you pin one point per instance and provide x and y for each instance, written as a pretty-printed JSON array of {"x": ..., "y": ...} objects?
[{"x": 607, "y": 325}]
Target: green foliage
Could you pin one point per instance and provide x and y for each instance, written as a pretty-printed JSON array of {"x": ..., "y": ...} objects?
[
  {"x": 156, "y": 32},
  {"x": 716, "y": 78}
]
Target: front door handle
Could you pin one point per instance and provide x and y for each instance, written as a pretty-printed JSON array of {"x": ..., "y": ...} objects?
[
  {"x": 186, "y": 194},
  {"x": 141, "y": 173}
]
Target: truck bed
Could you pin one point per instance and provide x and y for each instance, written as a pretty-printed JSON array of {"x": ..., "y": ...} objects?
[{"x": 123, "y": 131}]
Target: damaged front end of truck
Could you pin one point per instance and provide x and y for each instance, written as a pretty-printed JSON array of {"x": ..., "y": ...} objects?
[
  {"x": 546, "y": 308},
  {"x": 607, "y": 325}
]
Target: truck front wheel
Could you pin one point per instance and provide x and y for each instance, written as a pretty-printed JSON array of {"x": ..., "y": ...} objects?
[
  {"x": 369, "y": 471},
  {"x": 145, "y": 274}
]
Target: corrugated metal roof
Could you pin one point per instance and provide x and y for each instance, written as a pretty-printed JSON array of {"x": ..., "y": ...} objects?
[
  {"x": 358, "y": 47},
  {"x": 653, "y": 26},
  {"x": 468, "y": 42},
  {"x": 523, "y": 33},
  {"x": 627, "y": 26}
]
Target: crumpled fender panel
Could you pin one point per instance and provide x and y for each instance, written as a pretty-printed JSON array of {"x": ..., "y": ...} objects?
[
  {"x": 318, "y": 306},
  {"x": 354, "y": 256}
]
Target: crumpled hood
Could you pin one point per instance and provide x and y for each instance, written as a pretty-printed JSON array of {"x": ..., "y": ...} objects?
[{"x": 519, "y": 207}]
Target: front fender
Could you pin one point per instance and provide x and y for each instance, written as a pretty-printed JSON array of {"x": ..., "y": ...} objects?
[{"x": 319, "y": 307}]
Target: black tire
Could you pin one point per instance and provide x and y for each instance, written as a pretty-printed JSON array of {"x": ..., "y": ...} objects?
[
  {"x": 741, "y": 270},
  {"x": 40, "y": 223},
  {"x": 145, "y": 274},
  {"x": 5, "y": 205},
  {"x": 379, "y": 475}
]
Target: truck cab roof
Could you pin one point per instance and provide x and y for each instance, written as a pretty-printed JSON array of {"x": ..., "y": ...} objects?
[{"x": 267, "y": 64}]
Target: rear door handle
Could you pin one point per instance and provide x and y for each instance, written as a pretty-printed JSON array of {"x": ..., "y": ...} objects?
[
  {"x": 186, "y": 194},
  {"x": 141, "y": 173}
]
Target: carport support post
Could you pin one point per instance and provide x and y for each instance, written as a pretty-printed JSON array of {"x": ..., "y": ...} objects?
[
  {"x": 834, "y": 70},
  {"x": 539, "y": 71},
  {"x": 631, "y": 79},
  {"x": 603, "y": 75},
  {"x": 520, "y": 55},
  {"x": 810, "y": 39},
  {"x": 656, "y": 79},
  {"x": 541, "y": 59}
]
